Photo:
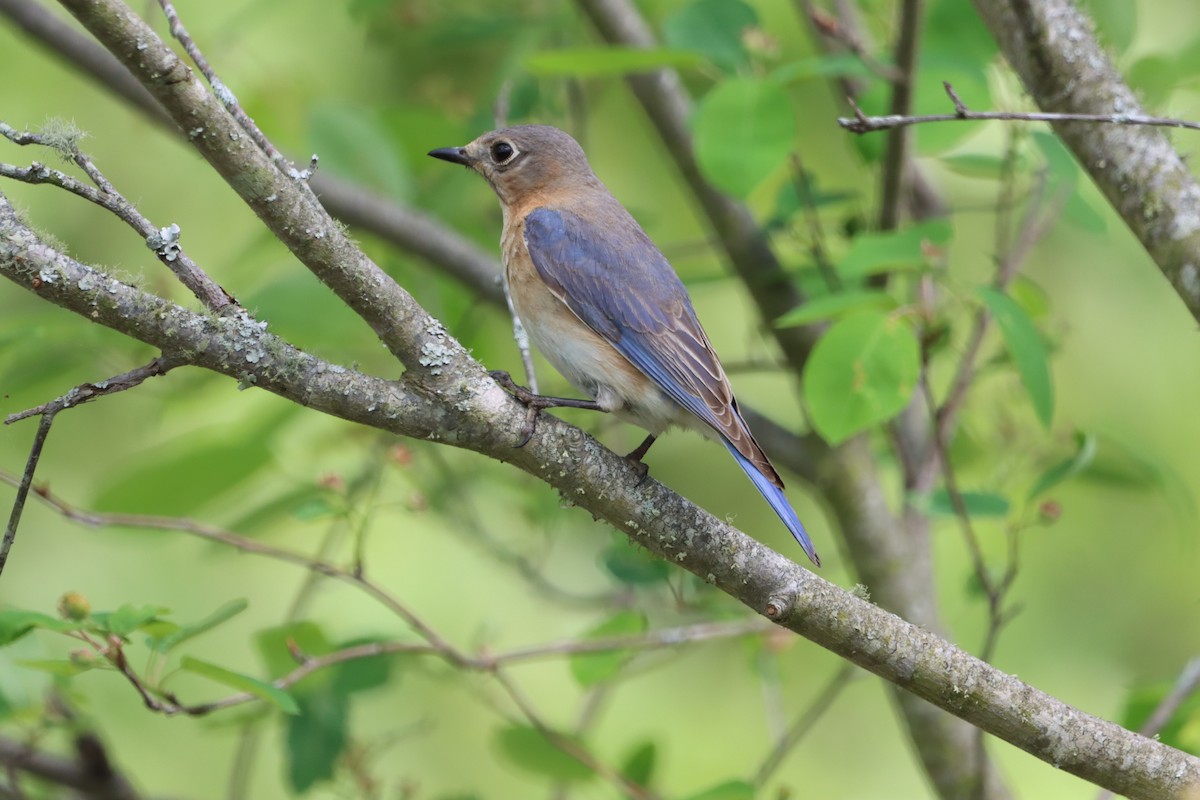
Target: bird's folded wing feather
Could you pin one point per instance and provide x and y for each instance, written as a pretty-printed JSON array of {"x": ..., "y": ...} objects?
[{"x": 617, "y": 281}]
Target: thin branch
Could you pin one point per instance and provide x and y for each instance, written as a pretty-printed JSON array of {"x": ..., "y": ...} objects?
[
  {"x": 163, "y": 241},
  {"x": 569, "y": 745},
  {"x": 896, "y": 158},
  {"x": 220, "y": 89},
  {"x": 803, "y": 724},
  {"x": 1038, "y": 220},
  {"x": 14, "y": 517},
  {"x": 837, "y": 29},
  {"x": 87, "y": 392},
  {"x": 862, "y": 123},
  {"x": 662, "y": 638}
]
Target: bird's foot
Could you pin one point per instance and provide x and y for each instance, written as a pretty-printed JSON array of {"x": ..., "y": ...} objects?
[
  {"x": 536, "y": 402},
  {"x": 636, "y": 455}
]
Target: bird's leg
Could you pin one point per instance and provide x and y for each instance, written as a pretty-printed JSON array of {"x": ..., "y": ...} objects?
[
  {"x": 536, "y": 402},
  {"x": 636, "y": 455}
]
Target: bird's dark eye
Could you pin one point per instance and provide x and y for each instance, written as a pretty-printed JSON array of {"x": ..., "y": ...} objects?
[{"x": 503, "y": 152}]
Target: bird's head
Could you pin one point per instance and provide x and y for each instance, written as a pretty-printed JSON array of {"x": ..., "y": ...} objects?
[{"x": 523, "y": 160}]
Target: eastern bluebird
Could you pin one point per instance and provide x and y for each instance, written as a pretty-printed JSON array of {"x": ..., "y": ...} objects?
[{"x": 604, "y": 306}]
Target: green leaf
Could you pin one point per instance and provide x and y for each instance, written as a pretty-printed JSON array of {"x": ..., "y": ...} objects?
[
  {"x": 639, "y": 765},
  {"x": 592, "y": 668},
  {"x": 528, "y": 748},
  {"x": 977, "y": 504},
  {"x": 273, "y": 646},
  {"x": 744, "y": 130},
  {"x": 595, "y": 62},
  {"x": 861, "y": 372},
  {"x": 909, "y": 248},
  {"x": 832, "y": 306},
  {"x": 634, "y": 565},
  {"x": 714, "y": 29},
  {"x": 16, "y": 622},
  {"x": 127, "y": 619},
  {"x": 181, "y": 634},
  {"x": 1085, "y": 452},
  {"x": 730, "y": 790},
  {"x": 1027, "y": 350},
  {"x": 243, "y": 683},
  {"x": 355, "y": 144},
  {"x": 315, "y": 739}
]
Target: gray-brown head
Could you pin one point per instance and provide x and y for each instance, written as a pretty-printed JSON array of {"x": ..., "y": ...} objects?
[{"x": 524, "y": 159}]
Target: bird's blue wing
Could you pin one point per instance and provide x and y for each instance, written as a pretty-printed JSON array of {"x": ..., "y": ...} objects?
[{"x": 613, "y": 278}]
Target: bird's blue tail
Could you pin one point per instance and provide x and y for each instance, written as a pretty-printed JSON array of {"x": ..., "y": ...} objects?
[{"x": 778, "y": 501}]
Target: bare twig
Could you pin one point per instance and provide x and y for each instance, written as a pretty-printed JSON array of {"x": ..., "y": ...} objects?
[
  {"x": 862, "y": 123},
  {"x": 1053, "y": 47},
  {"x": 896, "y": 156},
  {"x": 14, "y": 517},
  {"x": 663, "y": 638},
  {"x": 163, "y": 241},
  {"x": 1037, "y": 221},
  {"x": 569, "y": 745},
  {"x": 836, "y": 29},
  {"x": 220, "y": 89},
  {"x": 816, "y": 232},
  {"x": 803, "y": 724},
  {"x": 87, "y": 392}
]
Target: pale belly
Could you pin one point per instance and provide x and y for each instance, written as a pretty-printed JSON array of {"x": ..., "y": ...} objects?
[{"x": 589, "y": 362}]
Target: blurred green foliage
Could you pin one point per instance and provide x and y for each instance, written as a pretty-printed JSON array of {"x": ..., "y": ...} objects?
[{"x": 1079, "y": 431}]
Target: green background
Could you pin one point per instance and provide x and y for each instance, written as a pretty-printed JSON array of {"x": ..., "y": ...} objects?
[{"x": 1109, "y": 594}]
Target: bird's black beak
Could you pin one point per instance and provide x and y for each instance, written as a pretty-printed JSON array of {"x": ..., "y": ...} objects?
[{"x": 455, "y": 155}]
